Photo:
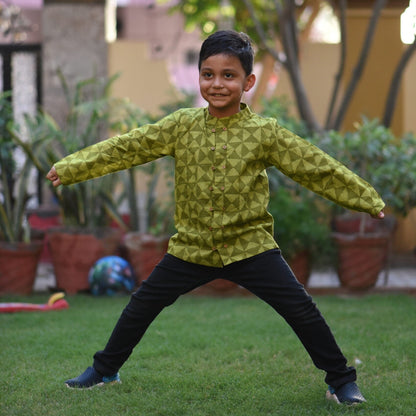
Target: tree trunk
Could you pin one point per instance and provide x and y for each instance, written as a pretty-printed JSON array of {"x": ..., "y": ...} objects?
[
  {"x": 395, "y": 84},
  {"x": 341, "y": 68},
  {"x": 291, "y": 46},
  {"x": 359, "y": 68}
]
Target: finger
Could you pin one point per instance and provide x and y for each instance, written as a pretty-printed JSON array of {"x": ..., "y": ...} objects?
[
  {"x": 52, "y": 174},
  {"x": 56, "y": 182},
  {"x": 379, "y": 216}
]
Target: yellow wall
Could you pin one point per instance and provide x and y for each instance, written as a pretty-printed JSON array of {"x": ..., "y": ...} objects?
[
  {"x": 144, "y": 81},
  {"x": 405, "y": 237},
  {"x": 409, "y": 92},
  {"x": 385, "y": 52},
  {"x": 319, "y": 63}
]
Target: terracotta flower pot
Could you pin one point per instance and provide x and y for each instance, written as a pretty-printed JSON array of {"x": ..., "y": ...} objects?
[
  {"x": 351, "y": 224},
  {"x": 74, "y": 253},
  {"x": 144, "y": 252},
  {"x": 361, "y": 258},
  {"x": 18, "y": 266},
  {"x": 301, "y": 266},
  {"x": 40, "y": 221}
]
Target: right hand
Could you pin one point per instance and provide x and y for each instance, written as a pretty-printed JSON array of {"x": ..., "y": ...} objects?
[
  {"x": 53, "y": 177},
  {"x": 379, "y": 216}
]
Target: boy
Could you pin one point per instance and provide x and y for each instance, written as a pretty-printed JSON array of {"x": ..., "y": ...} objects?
[{"x": 221, "y": 195}]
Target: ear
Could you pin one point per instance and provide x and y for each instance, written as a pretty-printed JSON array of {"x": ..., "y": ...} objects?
[{"x": 250, "y": 81}]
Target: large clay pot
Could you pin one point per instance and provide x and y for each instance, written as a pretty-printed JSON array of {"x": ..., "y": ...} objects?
[
  {"x": 361, "y": 258},
  {"x": 18, "y": 266},
  {"x": 74, "y": 252},
  {"x": 40, "y": 221},
  {"x": 144, "y": 252},
  {"x": 301, "y": 266}
]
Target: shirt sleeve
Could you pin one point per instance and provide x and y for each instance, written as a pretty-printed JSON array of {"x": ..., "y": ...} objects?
[
  {"x": 136, "y": 147},
  {"x": 319, "y": 172}
]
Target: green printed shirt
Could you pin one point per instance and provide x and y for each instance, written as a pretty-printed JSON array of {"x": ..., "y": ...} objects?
[{"x": 221, "y": 186}]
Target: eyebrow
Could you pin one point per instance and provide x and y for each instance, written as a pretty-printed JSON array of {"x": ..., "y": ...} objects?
[{"x": 207, "y": 68}]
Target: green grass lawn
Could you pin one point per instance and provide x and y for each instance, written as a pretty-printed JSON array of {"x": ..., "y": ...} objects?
[{"x": 207, "y": 357}]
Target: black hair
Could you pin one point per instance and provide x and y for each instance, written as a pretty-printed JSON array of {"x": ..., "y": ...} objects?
[{"x": 229, "y": 42}]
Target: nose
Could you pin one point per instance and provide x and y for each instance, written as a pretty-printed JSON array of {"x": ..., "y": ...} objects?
[{"x": 217, "y": 82}]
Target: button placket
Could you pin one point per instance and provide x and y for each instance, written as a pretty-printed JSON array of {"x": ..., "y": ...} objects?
[
  {"x": 222, "y": 154},
  {"x": 218, "y": 154},
  {"x": 213, "y": 206},
  {"x": 220, "y": 186}
]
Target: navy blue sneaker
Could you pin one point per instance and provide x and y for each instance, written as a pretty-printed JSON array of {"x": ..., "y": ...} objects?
[
  {"x": 348, "y": 393},
  {"x": 91, "y": 378}
]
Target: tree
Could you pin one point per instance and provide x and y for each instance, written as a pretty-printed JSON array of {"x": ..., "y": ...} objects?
[{"x": 278, "y": 31}]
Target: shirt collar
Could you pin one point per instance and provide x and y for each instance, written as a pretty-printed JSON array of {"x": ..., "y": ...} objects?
[{"x": 244, "y": 112}]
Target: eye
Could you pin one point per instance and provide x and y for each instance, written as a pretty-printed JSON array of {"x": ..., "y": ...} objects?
[
  {"x": 206, "y": 74},
  {"x": 228, "y": 75}
]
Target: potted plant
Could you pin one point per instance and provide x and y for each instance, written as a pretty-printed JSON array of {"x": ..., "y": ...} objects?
[
  {"x": 301, "y": 226},
  {"x": 387, "y": 163},
  {"x": 86, "y": 208},
  {"x": 19, "y": 255}
]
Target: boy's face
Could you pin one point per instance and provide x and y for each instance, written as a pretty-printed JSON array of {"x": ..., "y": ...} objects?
[{"x": 222, "y": 82}]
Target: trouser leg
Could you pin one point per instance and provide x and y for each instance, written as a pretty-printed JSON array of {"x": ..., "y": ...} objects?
[
  {"x": 171, "y": 278},
  {"x": 269, "y": 277}
]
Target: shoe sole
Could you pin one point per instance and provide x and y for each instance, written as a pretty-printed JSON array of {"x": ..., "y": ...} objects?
[
  {"x": 332, "y": 397},
  {"x": 93, "y": 386}
]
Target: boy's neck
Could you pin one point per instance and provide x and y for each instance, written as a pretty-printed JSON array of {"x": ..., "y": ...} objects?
[{"x": 217, "y": 114}]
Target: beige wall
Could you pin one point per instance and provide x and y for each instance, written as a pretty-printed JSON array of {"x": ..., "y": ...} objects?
[
  {"x": 405, "y": 237},
  {"x": 409, "y": 94},
  {"x": 319, "y": 63},
  {"x": 143, "y": 80},
  {"x": 385, "y": 52}
]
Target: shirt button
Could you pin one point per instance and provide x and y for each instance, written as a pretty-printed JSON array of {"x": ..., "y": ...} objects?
[
  {"x": 210, "y": 228},
  {"x": 222, "y": 188},
  {"x": 223, "y": 208},
  {"x": 213, "y": 148},
  {"x": 211, "y": 209},
  {"x": 211, "y": 188},
  {"x": 212, "y": 167},
  {"x": 214, "y": 248},
  {"x": 225, "y": 147},
  {"x": 224, "y": 128},
  {"x": 213, "y": 130},
  {"x": 225, "y": 245},
  {"x": 223, "y": 166}
]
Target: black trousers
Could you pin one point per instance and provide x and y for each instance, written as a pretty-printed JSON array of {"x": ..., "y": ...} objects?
[{"x": 266, "y": 275}]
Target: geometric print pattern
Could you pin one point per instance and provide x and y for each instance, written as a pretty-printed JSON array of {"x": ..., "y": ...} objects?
[{"x": 221, "y": 186}]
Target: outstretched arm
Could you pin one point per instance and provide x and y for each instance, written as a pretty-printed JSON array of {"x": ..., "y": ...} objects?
[
  {"x": 139, "y": 146},
  {"x": 319, "y": 172},
  {"x": 53, "y": 177}
]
